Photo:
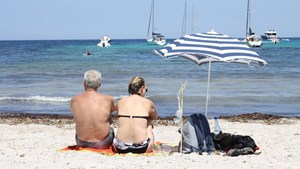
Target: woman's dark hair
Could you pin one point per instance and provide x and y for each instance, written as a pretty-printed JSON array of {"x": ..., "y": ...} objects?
[{"x": 135, "y": 85}]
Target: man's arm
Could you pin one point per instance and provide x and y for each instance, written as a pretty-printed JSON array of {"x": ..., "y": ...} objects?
[
  {"x": 113, "y": 109},
  {"x": 114, "y": 106},
  {"x": 72, "y": 105}
]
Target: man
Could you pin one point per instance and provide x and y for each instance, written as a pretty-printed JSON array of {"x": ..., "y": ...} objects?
[{"x": 92, "y": 114}]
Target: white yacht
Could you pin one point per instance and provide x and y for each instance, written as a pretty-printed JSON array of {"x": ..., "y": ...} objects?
[
  {"x": 104, "y": 42},
  {"x": 270, "y": 35}
]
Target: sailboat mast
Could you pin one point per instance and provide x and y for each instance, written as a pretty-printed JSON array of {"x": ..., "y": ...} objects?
[
  {"x": 192, "y": 31},
  {"x": 248, "y": 19},
  {"x": 151, "y": 20},
  {"x": 183, "y": 30},
  {"x": 152, "y": 15}
]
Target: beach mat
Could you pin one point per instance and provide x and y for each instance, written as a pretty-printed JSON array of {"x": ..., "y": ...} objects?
[
  {"x": 160, "y": 148},
  {"x": 85, "y": 149}
]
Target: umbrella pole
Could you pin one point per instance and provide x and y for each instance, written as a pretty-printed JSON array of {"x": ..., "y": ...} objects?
[
  {"x": 181, "y": 120},
  {"x": 207, "y": 90},
  {"x": 181, "y": 124}
]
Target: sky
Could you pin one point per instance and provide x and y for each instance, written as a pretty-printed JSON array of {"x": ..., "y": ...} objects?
[{"x": 120, "y": 19}]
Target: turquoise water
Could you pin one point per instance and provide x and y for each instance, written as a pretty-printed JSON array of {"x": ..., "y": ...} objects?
[{"x": 42, "y": 76}]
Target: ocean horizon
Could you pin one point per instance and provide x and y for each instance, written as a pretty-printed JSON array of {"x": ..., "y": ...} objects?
[
  {"x": 119, "y": 39},
  {"x": 41, "y": 76}
]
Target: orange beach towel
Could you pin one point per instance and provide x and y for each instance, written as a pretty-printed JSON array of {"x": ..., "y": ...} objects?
[{"x": 160, "y": 149}]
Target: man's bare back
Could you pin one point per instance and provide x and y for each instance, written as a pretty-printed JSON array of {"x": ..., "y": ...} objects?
[{"x": 92, "y": 114}]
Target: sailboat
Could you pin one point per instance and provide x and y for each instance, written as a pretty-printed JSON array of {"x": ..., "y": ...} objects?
[
  {"x": 152, "y": 36},
  {"x": 252, "y": 40}
]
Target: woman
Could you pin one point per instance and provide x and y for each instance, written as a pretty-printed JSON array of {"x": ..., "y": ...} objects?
[{"x": 135, "y": 116}]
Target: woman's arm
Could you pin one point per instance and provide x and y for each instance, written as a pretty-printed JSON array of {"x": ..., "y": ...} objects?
[{"x": 152, "y": 114}]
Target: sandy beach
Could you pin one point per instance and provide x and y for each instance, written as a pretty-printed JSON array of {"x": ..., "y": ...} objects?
[{"x": 28, "y": 142}]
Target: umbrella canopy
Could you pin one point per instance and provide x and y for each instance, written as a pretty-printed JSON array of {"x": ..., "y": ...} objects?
[{"x": 210, "y": 47}]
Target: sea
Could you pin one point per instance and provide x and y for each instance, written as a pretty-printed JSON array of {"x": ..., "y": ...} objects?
[{"x": 41, "y": 76}]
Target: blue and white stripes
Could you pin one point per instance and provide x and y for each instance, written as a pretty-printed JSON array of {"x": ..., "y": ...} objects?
[{"x": 201, "y": 48}]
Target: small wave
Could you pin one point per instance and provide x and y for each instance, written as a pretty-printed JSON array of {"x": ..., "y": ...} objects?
[
  {"x": 116, "y": 98},
  {"x": 36, "y": 99},
  {"x": 45, "y": 99}
]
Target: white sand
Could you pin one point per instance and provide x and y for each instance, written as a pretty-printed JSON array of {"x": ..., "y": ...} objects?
[{"x": 36, "y": 146}]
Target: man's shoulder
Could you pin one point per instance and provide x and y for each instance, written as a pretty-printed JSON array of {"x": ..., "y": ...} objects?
[
  {"x": 75, "y": 97},
  {"x": 105, "y": 96},
  {"x": 79, "y": 97}
]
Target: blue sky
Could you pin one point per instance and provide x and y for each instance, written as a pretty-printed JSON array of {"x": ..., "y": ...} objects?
[{"x": 120, "y": 19}]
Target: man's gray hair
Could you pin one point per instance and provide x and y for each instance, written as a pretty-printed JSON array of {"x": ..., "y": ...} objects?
[{"x": 92, "y": 79}]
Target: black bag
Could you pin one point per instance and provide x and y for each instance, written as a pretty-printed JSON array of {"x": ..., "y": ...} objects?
[{"x": 227, "y": 141}]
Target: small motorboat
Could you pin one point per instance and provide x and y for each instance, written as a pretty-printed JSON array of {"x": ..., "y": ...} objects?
[{"x": 104, "y": 42}]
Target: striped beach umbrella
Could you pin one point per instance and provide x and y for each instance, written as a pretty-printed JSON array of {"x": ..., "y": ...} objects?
[{"x": 211, "y": 47}]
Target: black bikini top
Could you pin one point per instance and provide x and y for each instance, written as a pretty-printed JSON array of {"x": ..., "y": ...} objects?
[{"x": 143, "y": 117}]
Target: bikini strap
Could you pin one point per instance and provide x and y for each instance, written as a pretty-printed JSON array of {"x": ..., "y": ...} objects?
[{"x": 144, "y": 117}]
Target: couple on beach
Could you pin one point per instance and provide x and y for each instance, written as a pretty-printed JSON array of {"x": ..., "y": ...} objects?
[{"x": 92, "y": 115}]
